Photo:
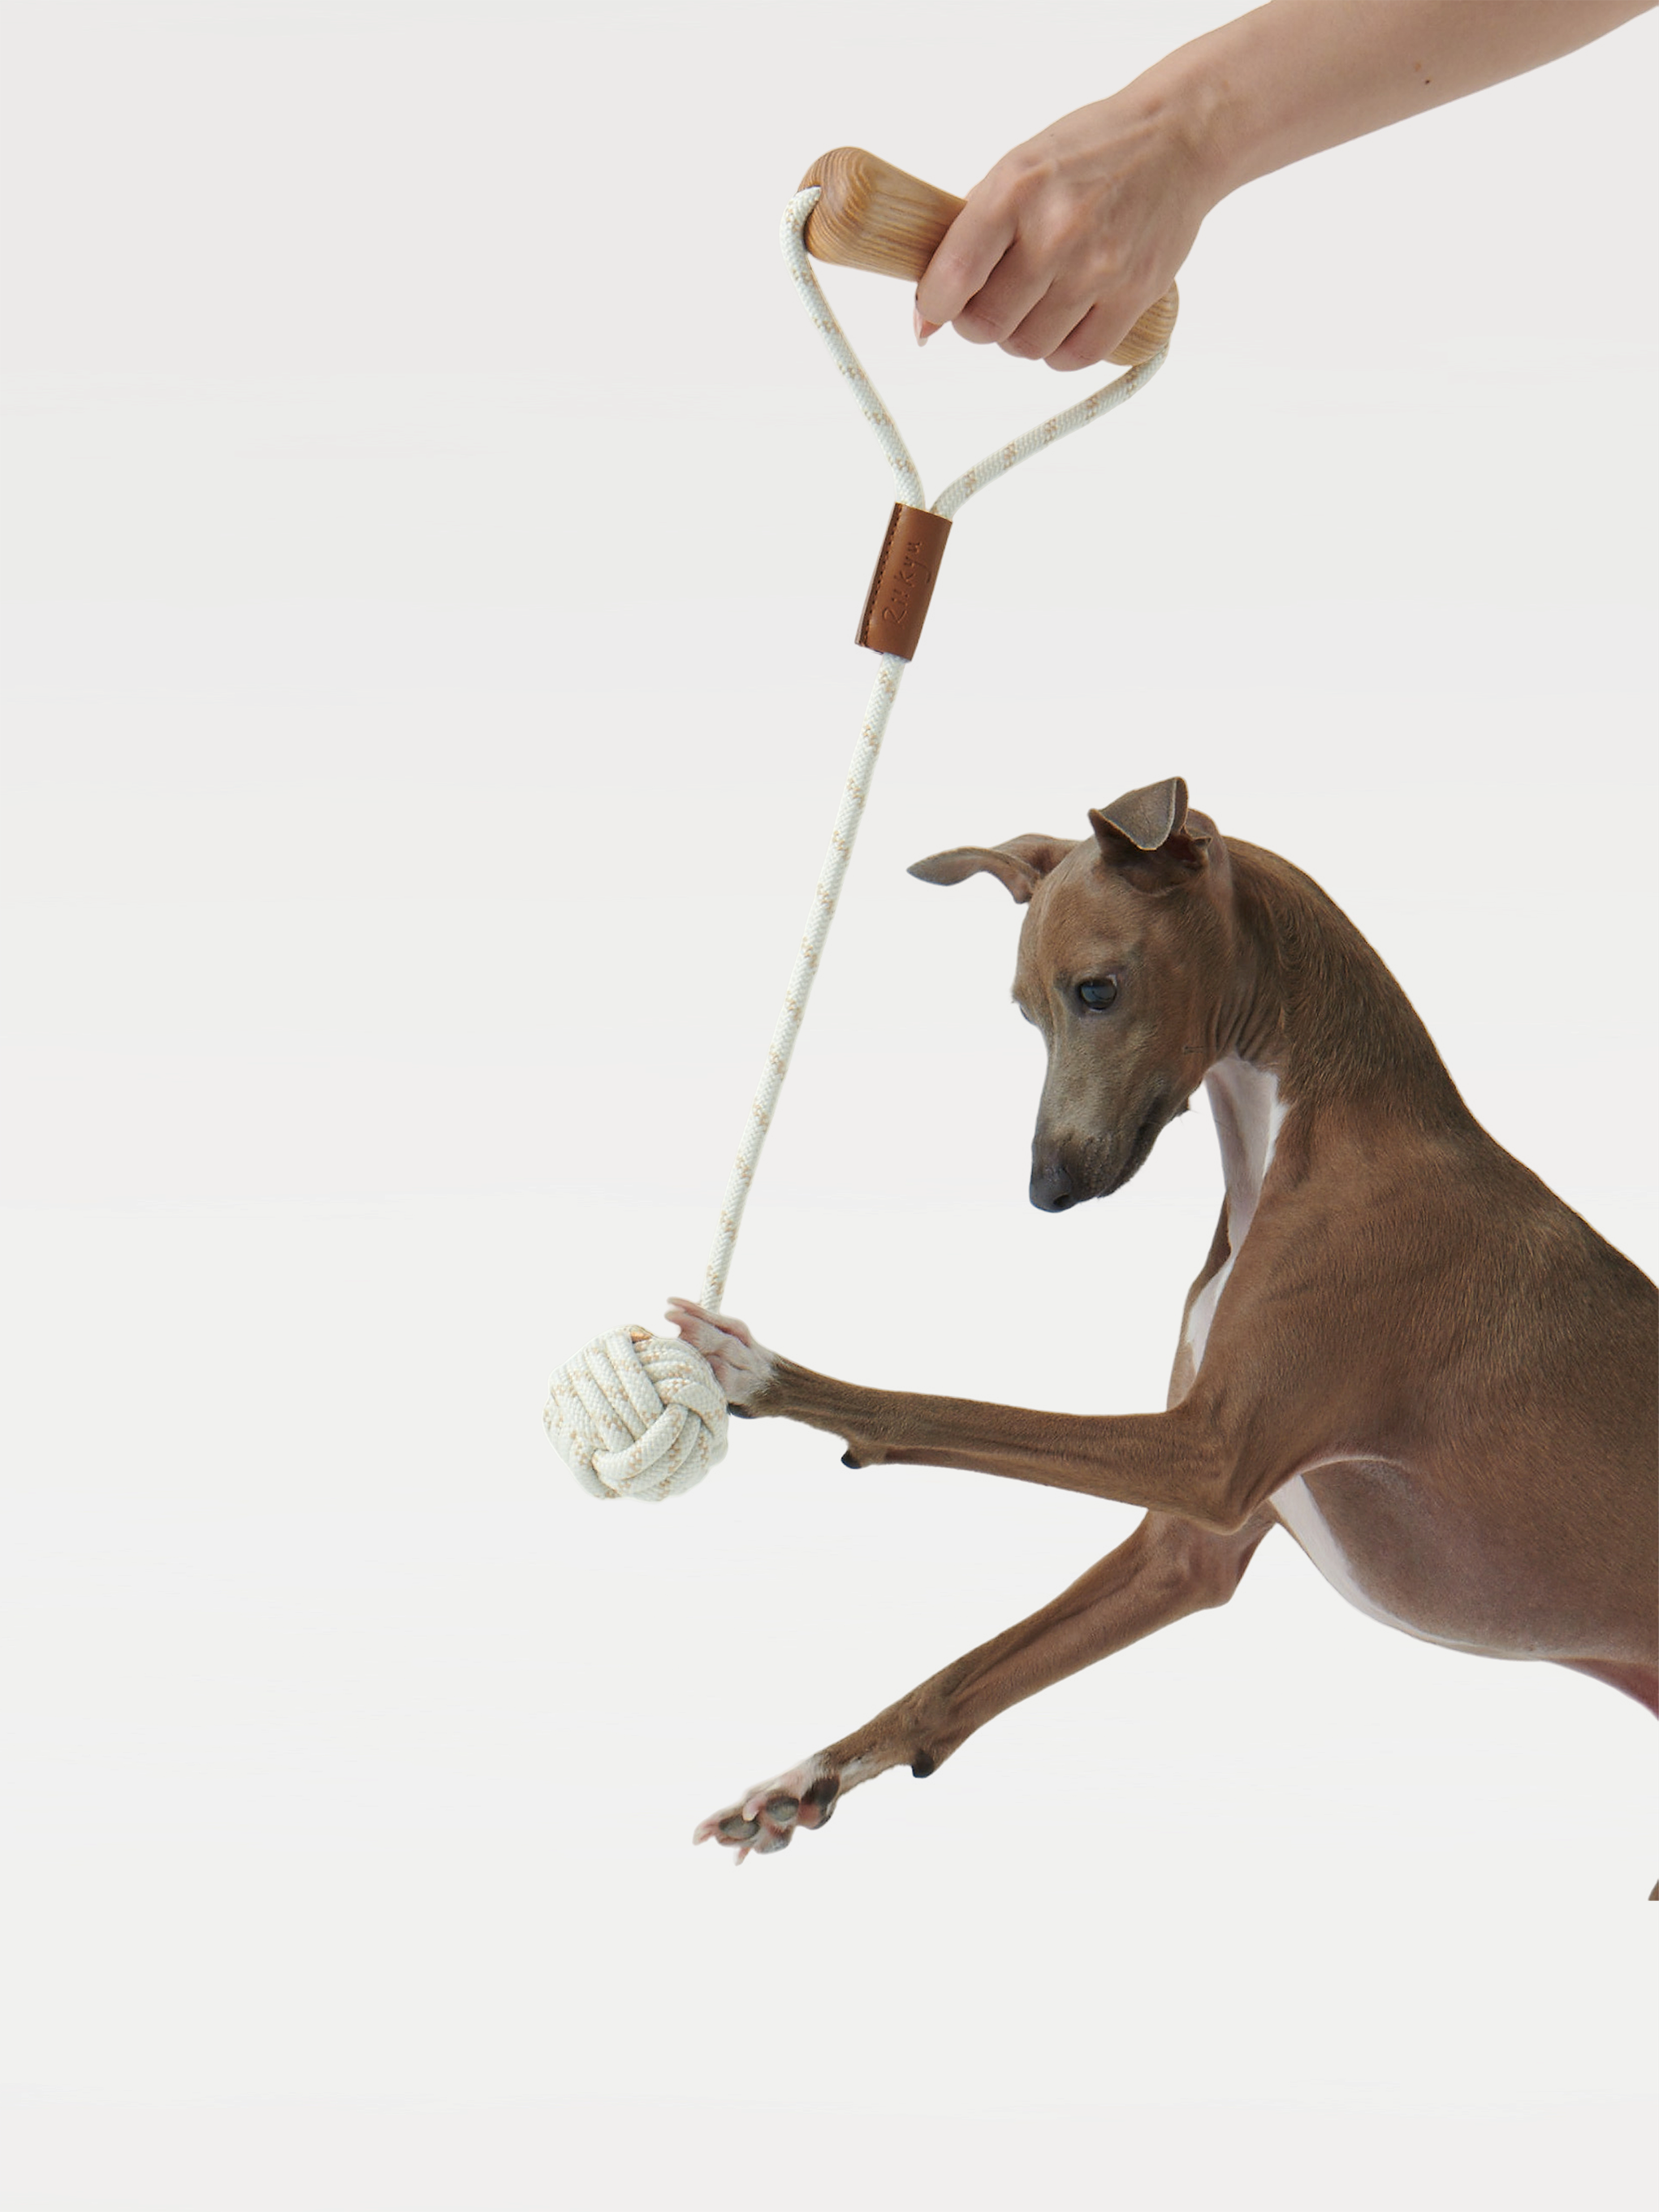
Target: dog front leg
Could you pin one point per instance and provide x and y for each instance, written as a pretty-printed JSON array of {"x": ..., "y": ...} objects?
[
  {"x": 1166, "y": 1569},
  {"x": 1182, "y": 1461}
]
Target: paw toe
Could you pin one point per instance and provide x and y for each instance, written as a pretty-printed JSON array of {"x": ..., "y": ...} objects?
[
  {"x": 767, "y": 1818},
  {"x": 819, "y": 1801}
]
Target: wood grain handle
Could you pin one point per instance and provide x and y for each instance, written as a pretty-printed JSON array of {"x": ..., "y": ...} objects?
[{"x": 871, "y": 216}]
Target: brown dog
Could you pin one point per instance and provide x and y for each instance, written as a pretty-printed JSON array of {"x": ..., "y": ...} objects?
[{"x": 1401, "y": 1347}]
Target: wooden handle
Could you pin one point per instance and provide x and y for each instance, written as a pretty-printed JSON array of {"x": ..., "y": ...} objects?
[{"x": 871, "y": 216}]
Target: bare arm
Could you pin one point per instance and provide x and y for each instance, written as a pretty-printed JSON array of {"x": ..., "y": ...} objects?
[{"x": 1075, "y": 233}]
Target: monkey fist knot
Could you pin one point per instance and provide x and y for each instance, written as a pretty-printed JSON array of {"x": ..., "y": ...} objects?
[{"x": 637, "y": 1416}]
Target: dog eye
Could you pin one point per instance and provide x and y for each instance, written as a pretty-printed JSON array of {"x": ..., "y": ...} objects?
[{"x": 1099, "y": 994}]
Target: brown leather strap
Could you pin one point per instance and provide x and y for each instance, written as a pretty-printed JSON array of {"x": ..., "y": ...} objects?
[{"x": 902, "y": 585}]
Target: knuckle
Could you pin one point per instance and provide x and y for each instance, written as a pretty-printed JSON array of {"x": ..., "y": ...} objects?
[
  {"x": 979, "y": 326},
  {"x": 1070, "y": 233},
  {"x": 949, "y": 267},
  {"x": 1022, "y": 177},
  {"x": 956, "y": 271}
]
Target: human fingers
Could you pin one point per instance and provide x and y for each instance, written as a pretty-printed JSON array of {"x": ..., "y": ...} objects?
[
  {"x": 1014, "y": 289},
  {"x": 1072, "y": 236},
  {"x": 1095, "y": 338},
  {"x": 1049, "y": 325},
  {"x": 965, "y": 257}
]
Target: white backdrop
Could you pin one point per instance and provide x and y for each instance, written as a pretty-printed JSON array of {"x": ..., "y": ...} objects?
[{"x": 431, "y": 545}]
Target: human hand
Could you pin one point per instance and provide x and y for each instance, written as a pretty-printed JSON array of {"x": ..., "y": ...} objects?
[
  {"x": 1076, "y": 233},
  {"x": 1072, "y": 235}
]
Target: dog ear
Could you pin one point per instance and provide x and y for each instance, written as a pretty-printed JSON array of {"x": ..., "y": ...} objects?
[
  {"x": 1018, "y": 866},
  {"x": 1150, "y": 838}
]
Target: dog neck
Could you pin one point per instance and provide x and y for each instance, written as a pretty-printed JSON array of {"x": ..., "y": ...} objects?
[
  {"x": 1248, "y": 1113},
  {"x": 1310, "y": 1005}
]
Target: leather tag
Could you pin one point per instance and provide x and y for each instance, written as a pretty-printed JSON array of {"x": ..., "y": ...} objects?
[{"x": 902, "y": 585}]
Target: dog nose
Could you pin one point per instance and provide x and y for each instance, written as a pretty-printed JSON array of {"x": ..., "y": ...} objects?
[{"x": 1051, "y": 1187}]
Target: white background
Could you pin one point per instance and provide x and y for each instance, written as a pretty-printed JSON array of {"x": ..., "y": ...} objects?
[{"x": 431, "y": 542}]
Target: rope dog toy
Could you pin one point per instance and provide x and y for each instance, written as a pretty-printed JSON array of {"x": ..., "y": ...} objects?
[{"x": 641, "y": 1415}]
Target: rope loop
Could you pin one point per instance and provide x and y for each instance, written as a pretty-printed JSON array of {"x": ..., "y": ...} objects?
[
  {"x": 907, "y": 480},
  {"x": 638, "y": 1415}
]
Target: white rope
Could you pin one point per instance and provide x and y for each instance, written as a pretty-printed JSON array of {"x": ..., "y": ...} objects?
[
  {"x": 1019, "y": 449},
  {"x": 882, "y": 693},
  {"x": 821, "y": 317},
  {"x": 637, "y": 1415}
]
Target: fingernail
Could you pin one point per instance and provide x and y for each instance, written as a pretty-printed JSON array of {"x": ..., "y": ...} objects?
[{"x": 923, "y": 330}]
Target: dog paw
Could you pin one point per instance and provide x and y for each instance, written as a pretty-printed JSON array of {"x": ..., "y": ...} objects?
[
  {"x": 770, "y": 1815},
  {"x": 742, "y": 1368}
]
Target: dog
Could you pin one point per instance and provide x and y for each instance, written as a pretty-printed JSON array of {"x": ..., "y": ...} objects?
[{"x": 1402, "y": 1347}]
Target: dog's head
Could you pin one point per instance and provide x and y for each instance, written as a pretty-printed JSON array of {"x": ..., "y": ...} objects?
[{"x": 1123, "y": 961}]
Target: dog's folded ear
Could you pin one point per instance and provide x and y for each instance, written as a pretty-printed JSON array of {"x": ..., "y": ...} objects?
[
  {"x": 1018, "y": 866},
  {"x": 1152, "y": 837}
]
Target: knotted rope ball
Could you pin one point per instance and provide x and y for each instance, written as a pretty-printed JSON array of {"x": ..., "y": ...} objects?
[{"x": 637, "y": 1416}]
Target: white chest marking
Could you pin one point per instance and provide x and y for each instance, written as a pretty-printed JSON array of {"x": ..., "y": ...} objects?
[{"x": 1249, "y": 1117}]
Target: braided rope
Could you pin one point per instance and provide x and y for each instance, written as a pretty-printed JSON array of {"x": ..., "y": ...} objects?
[
  {"x": 1035, "y": 440},
  {"x": 821, "y": 316},
  {"x": 637, "y": 1415},
  {"x": 888, "y": 437},
  {"x": 831, "y": 876}
]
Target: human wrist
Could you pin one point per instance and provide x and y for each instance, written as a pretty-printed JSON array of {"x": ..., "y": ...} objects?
[{"x": 1193, "y": 96}]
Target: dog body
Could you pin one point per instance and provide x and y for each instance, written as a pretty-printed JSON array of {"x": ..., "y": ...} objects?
[{"x": 1401, "y": 1347}]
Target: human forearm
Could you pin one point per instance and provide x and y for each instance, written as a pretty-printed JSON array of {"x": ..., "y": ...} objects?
[
  {"x": 1297, "y": 76},
  {"x": 1075, "y": 233}
]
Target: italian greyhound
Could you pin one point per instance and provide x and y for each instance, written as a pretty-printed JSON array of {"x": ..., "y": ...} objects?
[{"x": 1402, "y": 1347}]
